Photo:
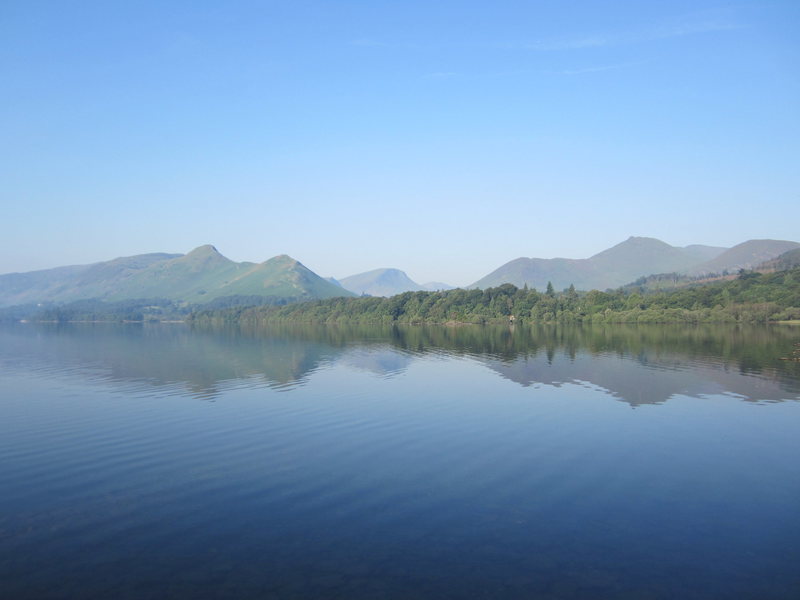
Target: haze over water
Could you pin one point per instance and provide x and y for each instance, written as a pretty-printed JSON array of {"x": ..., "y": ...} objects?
[{"x": 426, "y": 462}]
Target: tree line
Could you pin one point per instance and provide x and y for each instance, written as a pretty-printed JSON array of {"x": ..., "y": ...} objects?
[
  {"x": 136, "y": 310},
  {"x": 750, "y": 298}
]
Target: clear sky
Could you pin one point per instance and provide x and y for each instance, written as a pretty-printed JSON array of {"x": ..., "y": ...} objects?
[{"x": 443, "y": 138}]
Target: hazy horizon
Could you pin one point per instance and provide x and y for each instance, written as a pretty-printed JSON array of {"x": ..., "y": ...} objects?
[
  {"x": 338, "y": 277},
  {"x": 440, "y": 140}
]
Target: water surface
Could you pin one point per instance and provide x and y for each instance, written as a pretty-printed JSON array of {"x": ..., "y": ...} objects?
[{"x": 322, "y": 462}]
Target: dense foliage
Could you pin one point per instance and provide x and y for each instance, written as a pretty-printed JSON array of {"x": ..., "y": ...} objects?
[
  {"x": 752, "y": 297},
  {"x": 787, "y": 260},
  {"x": 671, "y": 281},
  {"x": 142, "y": 309}
]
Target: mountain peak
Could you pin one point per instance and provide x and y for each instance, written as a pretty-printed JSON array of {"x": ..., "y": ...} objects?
[
  {"x": 634, "y": 244},
  {"x": 204, "y": 250},
  {"x": 201, "y": 256},
  {"x": 283, "y": 259},
  {"x": 610, "y": 268},
  {"x": 641, "y": 239},
  {"x": 380, "y": 282}
]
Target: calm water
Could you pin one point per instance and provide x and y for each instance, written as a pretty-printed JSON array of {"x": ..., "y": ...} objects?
[{"x": 162, "y": 462}]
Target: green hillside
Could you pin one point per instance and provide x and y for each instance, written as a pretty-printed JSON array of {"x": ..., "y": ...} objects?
[
  {"x": 200, "y": 276},
  {"x": 634, "y": 258},
  {"x": 787, "y": 260},
  {"x": 74, "y": 282},
  {"x": 610, "y": 268},
  {"x": 751, "y": 297},
  {"x": 671, "y": 281},
  {"x": 746, "y": 255}
]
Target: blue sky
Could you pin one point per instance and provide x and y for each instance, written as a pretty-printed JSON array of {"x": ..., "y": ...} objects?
[{"x": 442, "y": 138}]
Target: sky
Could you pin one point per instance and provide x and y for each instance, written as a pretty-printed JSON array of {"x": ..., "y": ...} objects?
[{"x": 442, "y": 138}]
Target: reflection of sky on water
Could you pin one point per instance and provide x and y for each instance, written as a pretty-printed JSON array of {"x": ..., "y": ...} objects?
[
  {"x": 205, "y": 363},
  {"x": 416, "y": 463},
  {"x": 384, "y": 362}
]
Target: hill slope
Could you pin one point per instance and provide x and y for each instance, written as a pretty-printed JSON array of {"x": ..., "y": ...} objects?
[
  {"x": 199, "y": 276},
  {"x": 610, "y": 268},
  {"x": 748, "y": 298},
  {"x": 437, "y": 286},
  {"x": 380, "y": 282},
  {"x": 73, "y": 282},
  {"x": 787, "y": 260},
  {"x": 746, "y": 255}
]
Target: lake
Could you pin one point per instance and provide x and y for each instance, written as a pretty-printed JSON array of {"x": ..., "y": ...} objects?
[{"x": 161, "y": 461}]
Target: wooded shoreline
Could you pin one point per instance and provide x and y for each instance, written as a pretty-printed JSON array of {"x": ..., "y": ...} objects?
[{"x": 750, "y": 298}]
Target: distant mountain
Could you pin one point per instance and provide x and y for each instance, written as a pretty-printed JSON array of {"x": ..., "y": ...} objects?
[
  {"x": 200, "y": 276},
  {"x": 700, "y": 253},
  {"x": 68, "y": 283},
  {"x": 616, "y": 266},
  {"x": 787, "y": 260},
  {"x": 437, "y": 286},
  {"x": 380, "y": 282},
  {"x": 746, "y": 255},
  {"x": 723, "y": 271}
]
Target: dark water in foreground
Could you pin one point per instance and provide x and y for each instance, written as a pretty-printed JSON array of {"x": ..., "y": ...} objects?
[{"x": 161, "y": 462}]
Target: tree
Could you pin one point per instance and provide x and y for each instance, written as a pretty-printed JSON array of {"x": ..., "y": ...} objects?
[
  {"x": 572, "y": 294},
  {"x": 550, "y": 291}
]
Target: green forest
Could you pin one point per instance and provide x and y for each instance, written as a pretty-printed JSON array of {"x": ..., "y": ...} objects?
[
  {"x": 750, "y": 298},
  {"x": 143, "y": 309}
]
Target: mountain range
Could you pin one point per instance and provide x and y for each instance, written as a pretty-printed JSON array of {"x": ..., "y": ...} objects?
[
  {"x": 631, "y": 259},
  {"x": 197, "y": 277},
  {"x": 204, "y": 274},
  {"x": 662, "y": 363}
]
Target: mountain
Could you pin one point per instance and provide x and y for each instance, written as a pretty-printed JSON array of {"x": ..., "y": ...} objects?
[
  {"x": 437, "y": 286},
  {"x": 722, "y": 271},
  {"x": 380, "y": 282},
  {"x": 787, "y": 260},
  {"x": 70, "y": 283},
  {"x": 746, "y": 255},
  {"x": 700, "y": 253},
  {"x": 199, "y": 276},
  {"x": 610, "y": 268}
]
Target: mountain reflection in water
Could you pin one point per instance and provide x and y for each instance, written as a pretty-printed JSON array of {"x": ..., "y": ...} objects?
[
  {"x": 295, "y": 463},
  {"x": 636, "y": 364}
]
